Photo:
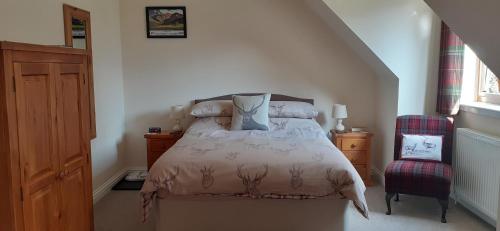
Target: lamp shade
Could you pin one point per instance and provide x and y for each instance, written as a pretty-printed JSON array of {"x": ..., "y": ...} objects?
[
  {"x": 339, "y": 111},
  {"x": 177, "y": 112}
]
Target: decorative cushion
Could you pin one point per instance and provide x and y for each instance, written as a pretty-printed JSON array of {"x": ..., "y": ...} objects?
[
  {"x": 428, "y": 125},
  {"x": 250, "y": 112},
  {"x": 214, "y": 108},
  {"x": 421, "y": 147},
  {"x": 292, "y": 109},
  {"x": 424, "y": 178}
]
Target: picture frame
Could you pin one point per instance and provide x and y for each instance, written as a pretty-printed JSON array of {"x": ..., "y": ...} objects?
[{"x": 166, "y": 22}]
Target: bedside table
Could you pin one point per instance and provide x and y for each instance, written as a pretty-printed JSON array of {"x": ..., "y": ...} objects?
[
  {"x": 159, "y": 143},
  {"x": 356, "y": 146}
]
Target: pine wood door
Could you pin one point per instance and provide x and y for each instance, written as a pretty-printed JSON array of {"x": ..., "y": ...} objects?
[
  {"x": 73, "y": 147},
  {"x": 53, "y": 145},
  {"x": 39, "y": 160}
]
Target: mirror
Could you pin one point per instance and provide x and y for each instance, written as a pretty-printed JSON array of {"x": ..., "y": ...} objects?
[
  {"x": 78, "y": 33},
  {"x": 77, "y": 28}
]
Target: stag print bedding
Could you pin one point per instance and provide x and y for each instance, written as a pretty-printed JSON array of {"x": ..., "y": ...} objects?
[{"x": 294, "y": 160}]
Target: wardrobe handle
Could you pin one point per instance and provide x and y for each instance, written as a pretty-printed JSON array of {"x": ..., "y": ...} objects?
[
  {"x": 62, "y": 174},
  {"x": 353, "y": 145},
  {"x": 59, "y": 175}
]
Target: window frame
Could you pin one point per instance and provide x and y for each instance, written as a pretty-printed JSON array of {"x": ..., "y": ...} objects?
[{"x": 481, "y": 95}]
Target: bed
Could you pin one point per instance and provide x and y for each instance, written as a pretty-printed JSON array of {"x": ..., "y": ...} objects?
[{"x": 289, "y": 178}]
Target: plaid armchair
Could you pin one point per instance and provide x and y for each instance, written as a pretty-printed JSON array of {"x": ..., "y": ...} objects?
[{"x": 421, "y": 177}]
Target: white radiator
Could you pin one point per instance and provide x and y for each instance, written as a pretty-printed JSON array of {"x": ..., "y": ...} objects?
[{"x": 477, "y": 173}]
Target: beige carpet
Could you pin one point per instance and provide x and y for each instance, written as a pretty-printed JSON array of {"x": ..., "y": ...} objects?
[{"x": 120, "y": 211}]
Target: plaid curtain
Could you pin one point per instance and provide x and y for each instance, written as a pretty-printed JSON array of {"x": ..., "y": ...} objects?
[{"x": 450, "y": 72}]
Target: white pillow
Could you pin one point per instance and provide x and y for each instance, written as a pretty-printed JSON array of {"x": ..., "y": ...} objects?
[
  {"x": 421, "y": 147},
  {"x": 292, "y": 109},
  {"x": 277, "y": 109},
  {"x": 223, "y": 108}
]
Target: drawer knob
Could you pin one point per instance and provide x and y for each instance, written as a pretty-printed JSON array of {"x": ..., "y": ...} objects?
[{"x": 353, "y": 145}]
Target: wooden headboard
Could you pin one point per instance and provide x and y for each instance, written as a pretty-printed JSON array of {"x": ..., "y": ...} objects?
[{"x": 274, "y": 97}]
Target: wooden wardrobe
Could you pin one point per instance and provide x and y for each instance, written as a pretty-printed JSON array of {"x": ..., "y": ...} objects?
[{"x": 45, "y": 166}]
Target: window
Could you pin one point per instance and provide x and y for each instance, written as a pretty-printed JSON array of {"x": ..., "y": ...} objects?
[
  {"x": 479, "y": 83},
  {"x": 489, "y": 89}
]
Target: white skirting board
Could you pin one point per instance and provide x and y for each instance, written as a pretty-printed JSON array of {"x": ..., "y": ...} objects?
[{"x": 106, "y": 187}]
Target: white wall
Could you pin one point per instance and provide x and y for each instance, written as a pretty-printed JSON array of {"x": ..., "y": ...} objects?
[
  {"x": 233, "y": 46},
  {"x": 404, "y": 34},
  {"x": 41, "y": 22}
]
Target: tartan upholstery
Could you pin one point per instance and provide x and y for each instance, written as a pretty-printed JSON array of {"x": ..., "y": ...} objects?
[
  {"x": 450, "y": 72},
  {"x": 425, "y": 125},
  {"x": 421, "y": 177}
]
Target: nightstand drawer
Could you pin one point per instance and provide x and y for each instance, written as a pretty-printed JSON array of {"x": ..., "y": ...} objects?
[
  {"x": 362, "y": 171},
  {"x": 354, "y": 144},
  {"x": 356, "y": 157},
  {"x": 153, "y": 156},
  {"x": 159, "y": 145},
  {"x": 356, "y": 148}
]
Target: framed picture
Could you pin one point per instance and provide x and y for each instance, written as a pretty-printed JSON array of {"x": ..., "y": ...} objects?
[{"x": 166, "y": 22}]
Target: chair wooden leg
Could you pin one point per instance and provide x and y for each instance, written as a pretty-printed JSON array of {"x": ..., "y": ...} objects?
[
  {"x": 444, "y": 207},
  {"x": 388, "y": 197},
  {"x": 397, "y": 197}
]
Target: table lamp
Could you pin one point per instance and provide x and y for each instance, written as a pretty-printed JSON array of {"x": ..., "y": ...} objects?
[
  {"x": 339, "y": 113},
  {"x": 177, "y": 114}
]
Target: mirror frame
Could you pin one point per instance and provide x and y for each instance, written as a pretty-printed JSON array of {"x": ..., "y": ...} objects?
[{"x": 70, "y": 12}]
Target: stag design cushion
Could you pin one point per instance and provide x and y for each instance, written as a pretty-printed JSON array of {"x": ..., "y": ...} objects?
[
  {"x": 250, "y": 112},
  {"x": 421, "y": 147}
]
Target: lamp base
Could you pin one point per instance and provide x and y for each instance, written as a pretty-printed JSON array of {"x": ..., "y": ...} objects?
[
  {"x": 339, "y": 127},
  {"x": 177, "y": 127}
]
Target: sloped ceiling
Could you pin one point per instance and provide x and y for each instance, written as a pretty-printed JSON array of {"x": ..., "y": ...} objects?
[
  {"x": 477, "y": 23},
  {"x": 399, "y": 35},
  {"x": 350, "y": 37}
]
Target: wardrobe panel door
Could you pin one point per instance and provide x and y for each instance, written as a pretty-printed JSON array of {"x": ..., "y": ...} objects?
[
  {"x": 75, "y": 216},
  {"x": 70, "y": 121},
  {"x": 73, "y": 146},
  {"x": 42, "y": 212},
  {"x": 39, "y": 162}
]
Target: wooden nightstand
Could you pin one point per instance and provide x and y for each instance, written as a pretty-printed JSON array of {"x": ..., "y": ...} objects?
[
  {"x": 356, "y": 146},
  {"x": 159, "y": 143}
]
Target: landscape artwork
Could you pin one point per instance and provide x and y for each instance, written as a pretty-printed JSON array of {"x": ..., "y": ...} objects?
[{"x": 166, "y": 22}]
